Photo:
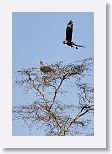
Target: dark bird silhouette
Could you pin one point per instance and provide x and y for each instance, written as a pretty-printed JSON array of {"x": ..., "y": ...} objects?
[
  {"x": 68, "y": 39},
  {"x": 45, "y": 69}
]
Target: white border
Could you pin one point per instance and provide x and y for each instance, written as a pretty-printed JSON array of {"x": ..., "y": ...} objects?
[{"x": 99, "y": 9}]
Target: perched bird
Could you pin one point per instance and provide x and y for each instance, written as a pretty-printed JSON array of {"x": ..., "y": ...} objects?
[
  {"x": 68, "y": 39},
  {"x": 45, "y": 69}
]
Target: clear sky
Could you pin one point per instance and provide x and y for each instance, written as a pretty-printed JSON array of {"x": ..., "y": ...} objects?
[{"x": 39, "y": 36}]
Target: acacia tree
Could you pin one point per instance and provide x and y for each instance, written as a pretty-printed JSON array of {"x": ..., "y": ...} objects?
[{"x": 50, "y": 111}]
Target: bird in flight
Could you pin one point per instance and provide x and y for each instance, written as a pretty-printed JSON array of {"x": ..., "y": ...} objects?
[
  {"x": 45, "y": 69},
  {"x": 68, "y": 39}
]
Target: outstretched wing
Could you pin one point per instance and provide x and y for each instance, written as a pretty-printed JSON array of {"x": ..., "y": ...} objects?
[{"x": 69, "y": 31}]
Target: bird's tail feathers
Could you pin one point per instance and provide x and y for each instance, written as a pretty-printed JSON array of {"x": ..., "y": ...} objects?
[{"x": 77, "y": 45}]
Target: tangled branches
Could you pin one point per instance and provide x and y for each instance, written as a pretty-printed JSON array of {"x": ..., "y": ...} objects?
[{"x": 48, "y": 111}]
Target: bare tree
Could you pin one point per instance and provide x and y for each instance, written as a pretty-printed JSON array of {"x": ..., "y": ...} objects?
[{"x": 50, "y": 111}]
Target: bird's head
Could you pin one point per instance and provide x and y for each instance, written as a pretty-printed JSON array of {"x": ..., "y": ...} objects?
[
  {"x": 41, "y": 62},
  {"x": 63, "y": 42}
]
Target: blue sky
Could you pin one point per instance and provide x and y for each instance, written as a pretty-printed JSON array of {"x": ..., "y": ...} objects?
[{"x": 39, "y": 36}]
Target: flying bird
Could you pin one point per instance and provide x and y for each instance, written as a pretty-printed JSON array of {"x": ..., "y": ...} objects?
[
  {"x": 68, "y": 39},
  {"x": 45, "y": 69}
]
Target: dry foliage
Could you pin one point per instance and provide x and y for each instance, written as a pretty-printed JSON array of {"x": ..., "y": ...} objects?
[{"x": 50, "y": 113}]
